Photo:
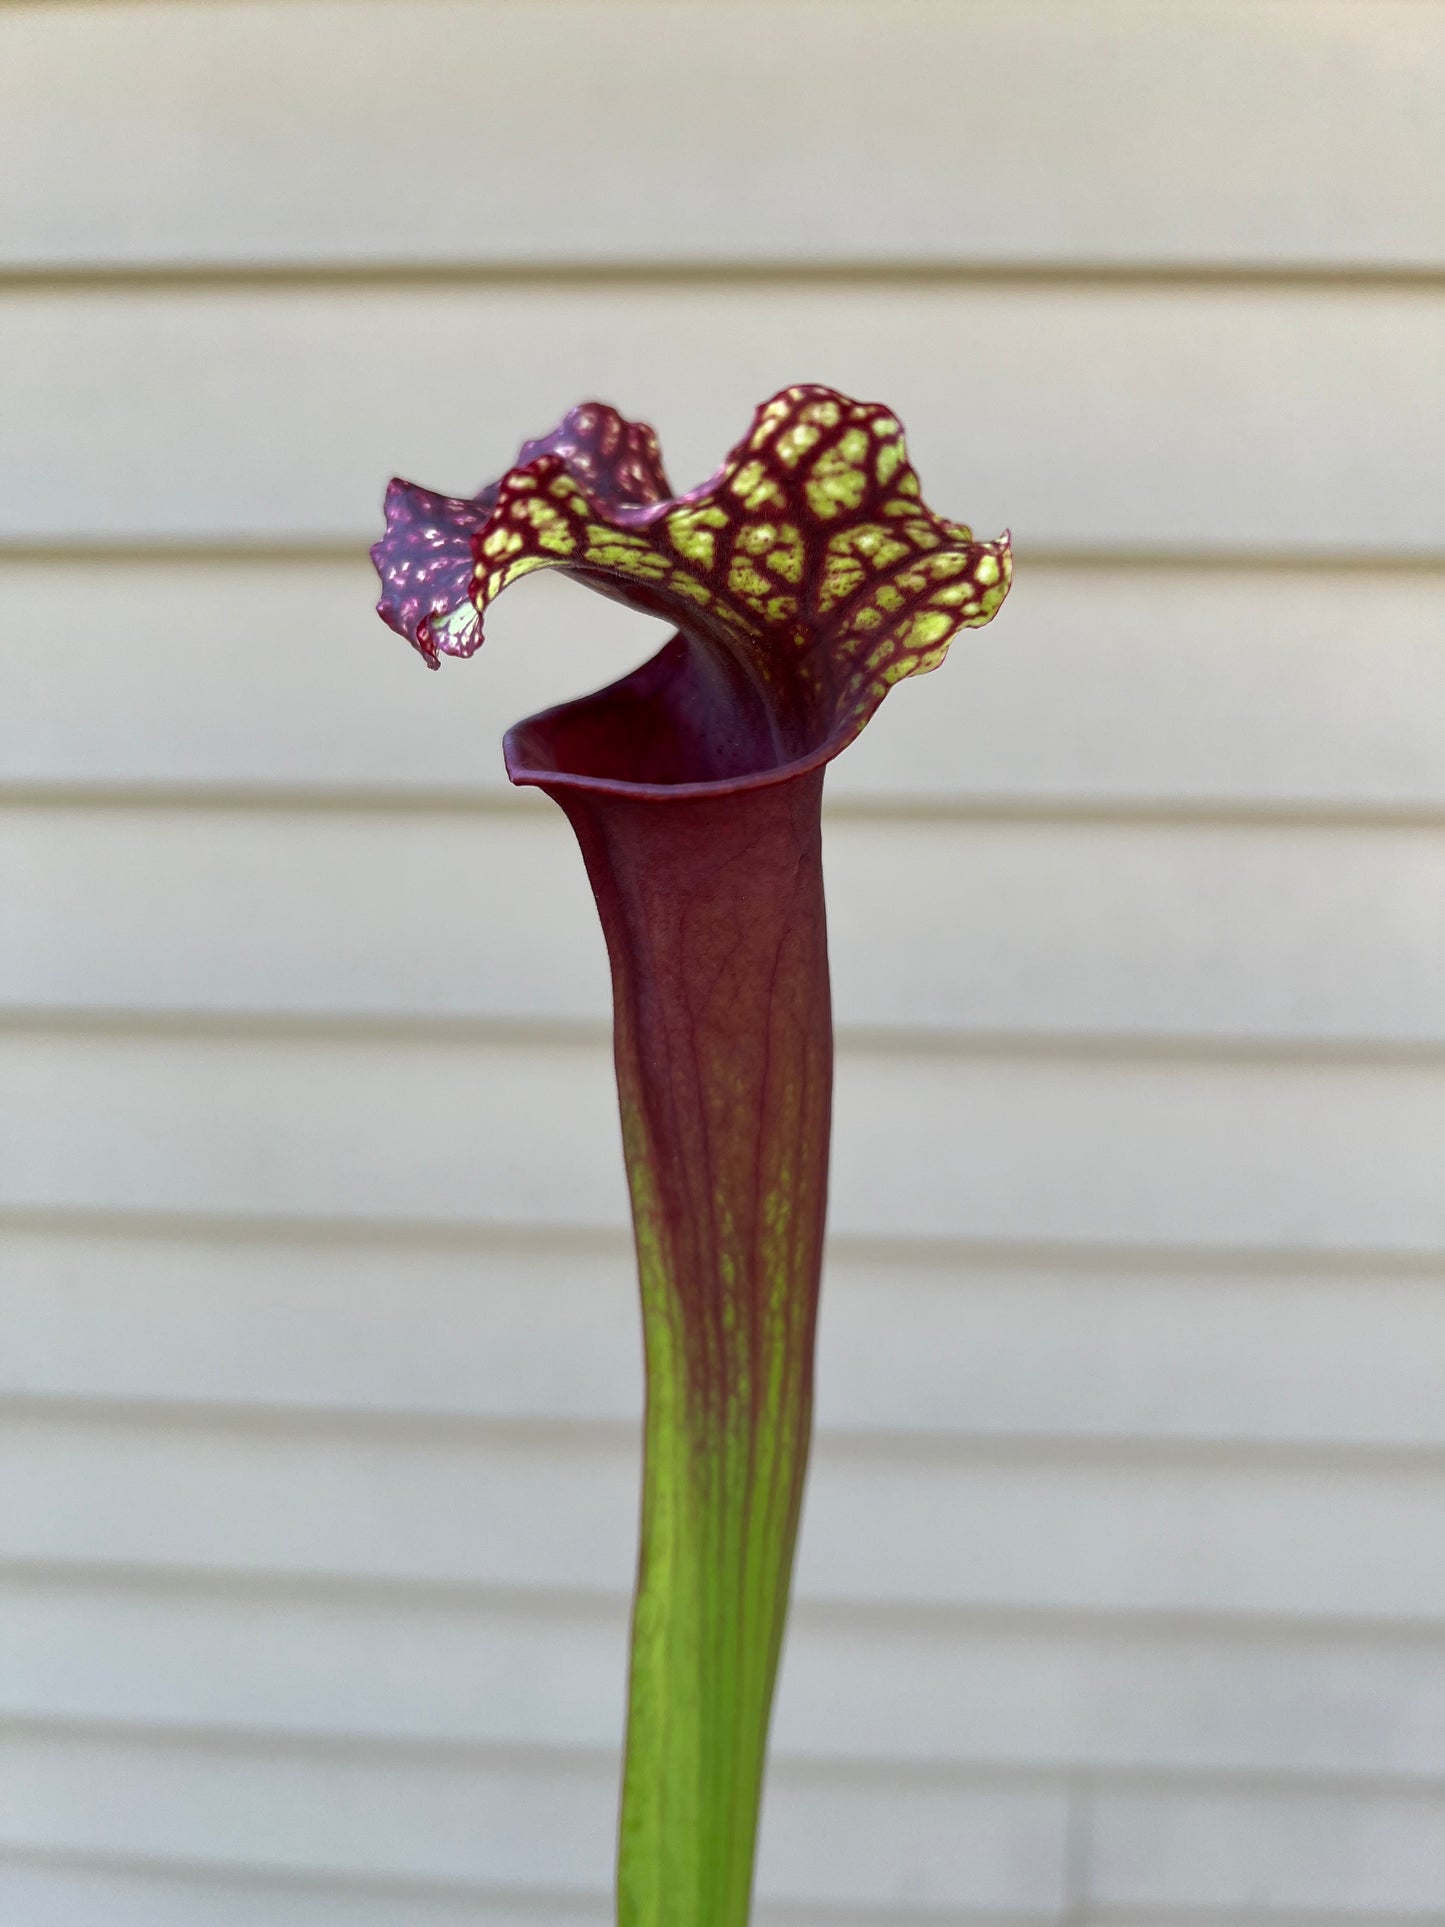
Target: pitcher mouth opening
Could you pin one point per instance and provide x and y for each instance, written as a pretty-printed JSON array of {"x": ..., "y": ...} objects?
[{"x": 685, "y": 726}]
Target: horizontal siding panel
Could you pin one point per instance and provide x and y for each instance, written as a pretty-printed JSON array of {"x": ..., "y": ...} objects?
[
  {"x": 72, "y": 1891},
  {"x": 969, "y": 1347},
  {"x": 283, "y": 411},
  {"x": 1126, "y": 1699},
  {"x": 689, "y": 116},
  {"x": 548, "y": 1824},
  {"x": 1262, "y": 1852},
  {"x": 555, "y": 1508},
  {"x": 85, "y": 1890},
  {"x": 1174, "y": 686},
  {"x": 1190, "y": 1916},
  {"x": 991, "y": 1146},
  {"x": 1084, "y": 928},
  {"x": 485, "y": 1673},
  {"x": 1163, "y": 931}
]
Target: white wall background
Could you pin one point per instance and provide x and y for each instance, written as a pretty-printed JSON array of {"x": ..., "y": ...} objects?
[{"x": 1122, "y": 1595}]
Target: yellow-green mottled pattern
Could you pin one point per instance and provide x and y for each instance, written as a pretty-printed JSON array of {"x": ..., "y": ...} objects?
[{"x": 811, "y": 550}]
